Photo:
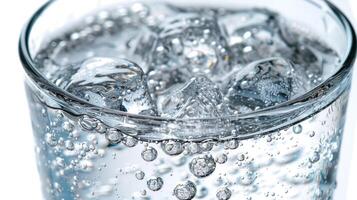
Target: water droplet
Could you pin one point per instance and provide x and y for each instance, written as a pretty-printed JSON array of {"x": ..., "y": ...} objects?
[
  {"x": 297, "y": 129},
  {"x": 185, "y": 191},
  {"x": 223, "y": 194},
  {"x": 202, "y": 166},
  {"x": 155, "y": 183},
  {"x": 140, "y": 175},
  {"x": 172, "y": 148},
  {"x": 149, "y": 154}
]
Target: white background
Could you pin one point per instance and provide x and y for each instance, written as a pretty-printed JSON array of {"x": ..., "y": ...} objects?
[{"x": 18, "y": 175}]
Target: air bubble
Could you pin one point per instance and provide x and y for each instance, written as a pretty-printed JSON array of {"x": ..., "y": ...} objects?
[
  {"x": 172, "y": 148},
  {"x": 149, "y": 154},
  {"x": 193, "y": 148},
  {"x": 50, "y": 139},
  {"x": 223, "y": 194},
  {"x": 67, "y": 126},
  {"x": 88, "y": 123},
  {"x": 130, "y": 141},
  {"x": 222, "y": 158},
  {"x": 247, "y": 177},
  {"x": 312, "y": 134},
  {"x": 202, "y": 192},
  {"x": 114, "y": 136},
  {"x": 101, "y": 128},
  {"x": 69, "y": 145},
  {"x": 232, "y": 144},
  {"x": 202, "y": 166},
  {"x": 241, "y": 157},
  {"x": 155, "y": 183},
  {"x": 315, "y": 157},
  {"x": 185, "y": 191},
  {"x": 297, "y": 129},
  {"x": 206, "y": 146},
  {"x": 140, "y": 175}
]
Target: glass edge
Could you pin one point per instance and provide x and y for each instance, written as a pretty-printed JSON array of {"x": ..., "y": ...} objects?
[{"x": 36, "y": 76}]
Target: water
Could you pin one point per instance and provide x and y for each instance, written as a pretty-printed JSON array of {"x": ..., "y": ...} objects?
[{"x": 165, "y": 61}]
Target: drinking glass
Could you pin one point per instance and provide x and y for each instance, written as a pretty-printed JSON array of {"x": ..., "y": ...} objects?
[{"x": 287, "y": 151}]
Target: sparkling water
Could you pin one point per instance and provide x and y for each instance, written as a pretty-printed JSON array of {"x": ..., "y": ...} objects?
[{"x": 181, "y": 64}]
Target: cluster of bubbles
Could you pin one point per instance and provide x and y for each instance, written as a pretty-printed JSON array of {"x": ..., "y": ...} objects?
[{"x": 204, "y": 160}]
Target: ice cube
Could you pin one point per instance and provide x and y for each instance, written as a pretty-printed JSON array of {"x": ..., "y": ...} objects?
[
  {"x": 185, "y": 45},
  {"x": 199, "y": 98},
  {"x": 262, "y": 84},
  {"x": 253, "y": 35},
  {"x": 308, "y": 52},
  {"x": 112, "y": 83}
]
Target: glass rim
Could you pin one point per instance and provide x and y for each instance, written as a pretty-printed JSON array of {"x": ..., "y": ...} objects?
[{"x": 346, "y": 67}]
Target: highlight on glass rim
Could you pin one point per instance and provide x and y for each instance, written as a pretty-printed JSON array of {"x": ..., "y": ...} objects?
[{"x": 181, "y": 100}]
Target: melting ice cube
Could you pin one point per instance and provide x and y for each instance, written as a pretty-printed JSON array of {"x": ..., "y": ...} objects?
[
  {"x": 262, "y": 84},
  {"x": 199, "y": 98},
  {"x": 185, "y": 45},
  {"x": 253, "y": 35},
  {"x": 112, "y": 83}
]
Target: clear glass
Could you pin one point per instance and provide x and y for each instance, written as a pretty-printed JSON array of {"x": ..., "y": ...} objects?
[{"x": 288, "y": 151}]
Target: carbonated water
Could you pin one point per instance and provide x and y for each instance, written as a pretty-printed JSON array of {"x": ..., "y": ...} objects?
[{"x": 181, "y": 64}]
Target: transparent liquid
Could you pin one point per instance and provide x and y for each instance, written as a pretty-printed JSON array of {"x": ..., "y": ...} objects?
[{"x": 80, "y": 157}]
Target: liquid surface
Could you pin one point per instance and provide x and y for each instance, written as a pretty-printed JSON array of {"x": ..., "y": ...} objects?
[{"x": 162, "y": 60}]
